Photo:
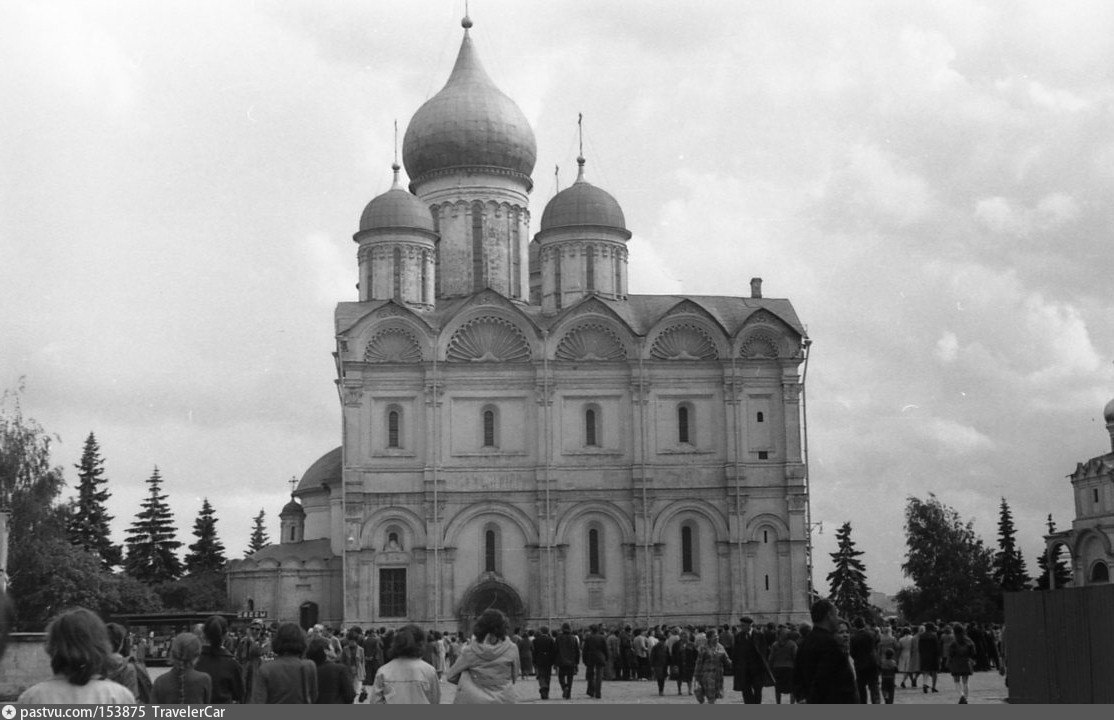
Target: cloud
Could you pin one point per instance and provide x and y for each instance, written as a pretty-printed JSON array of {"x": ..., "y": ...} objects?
[{"x": 947, "y": 347}]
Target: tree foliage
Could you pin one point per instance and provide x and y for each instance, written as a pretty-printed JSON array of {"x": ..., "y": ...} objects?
[
  {"x": 849, "y": 591},
  {"x": 47, "y": 572},
  {"x": 152, "y": 548},
  {"x": 88, "y": 524},
  {"x": 1063, "y": 574},
  {"x": 259, "y": 538},
  {"x": 949, "y": 565},
  {"x": 199, "y": 592},
  {"x": 1010, "y": 574},
  {"x": 206, "y": 554}
]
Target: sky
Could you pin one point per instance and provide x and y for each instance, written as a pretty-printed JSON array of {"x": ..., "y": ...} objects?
[{"x": 928, "y": 183}]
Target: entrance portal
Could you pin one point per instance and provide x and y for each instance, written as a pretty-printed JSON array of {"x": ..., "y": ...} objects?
[{"x": 491, "y": 594}]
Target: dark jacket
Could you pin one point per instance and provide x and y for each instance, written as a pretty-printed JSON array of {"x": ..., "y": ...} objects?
[
  {"x": 545, "y": 651},
  {"x": 929, "y": 645},
  {"x": 568, "y": 650},
  {"x": 749, "y": 658},
  {"x": 225, "y": 672},
  {"x": 823, "y": 673},
  {"x": 864, "y": 651},
  {"x": 595, "y": 650},
  {"x": 334, "y": 684}
]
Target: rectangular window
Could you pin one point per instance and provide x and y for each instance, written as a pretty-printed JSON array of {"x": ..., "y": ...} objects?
[
  {"x": 593, "y": 552},
  {"x": 763, "y": 455},
  {"x": 392, "y": 429},
  {"x": 557, "y": 279},
  {"x": 392, "y": 592},
  {"x": 591, "y": 269},
  {"x": 1096, "y": 493},
  {"x": 686, "y": 549}
]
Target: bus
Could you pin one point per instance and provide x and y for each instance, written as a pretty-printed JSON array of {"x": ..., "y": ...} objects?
[{"x": 152, "y": 632}]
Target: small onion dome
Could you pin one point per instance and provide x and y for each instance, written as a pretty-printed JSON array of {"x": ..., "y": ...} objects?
[
  {"x": 396, "y": 209},
  {"x": 583, "y": 204},
  {"x": 469, "y": 123},
  {"x": 292, "y": 508},
  {"x": 1108, "y": 412}
]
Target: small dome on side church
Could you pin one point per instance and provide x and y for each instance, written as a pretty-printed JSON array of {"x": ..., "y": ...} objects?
[
  {"x": 396, "y": 209},
  {"x": 469, "y": 123},
  {"x": 292, "y": 508},
  {"x": 583, "y": 204}
]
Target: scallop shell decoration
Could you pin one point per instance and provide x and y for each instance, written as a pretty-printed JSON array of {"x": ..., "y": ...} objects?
[
  {"x": 759, "y": 345},
  {"x": 393, "y": 345},
  {"x": 683, "y": 342},
  {"x": 590, "y": 342},
  {"x": 488, "y": 339}
]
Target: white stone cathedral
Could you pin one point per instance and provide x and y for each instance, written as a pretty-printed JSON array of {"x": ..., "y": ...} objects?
[{"x": 520, "y": 432}]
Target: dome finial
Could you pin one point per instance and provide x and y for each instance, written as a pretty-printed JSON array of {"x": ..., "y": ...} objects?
[
  {"x": 580, "y": 158},
  {"x": 467, "y": 21},
  {"x": 395, "y": 166}
]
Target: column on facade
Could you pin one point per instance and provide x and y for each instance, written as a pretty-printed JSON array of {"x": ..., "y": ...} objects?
[
  {"x": 725, "y": 604},
  {"x": 631, "y": 574},
  {"x": 448, "y": 581},
  {"x": 559, "y": 590},
  {"x": 657, "y": 590}
]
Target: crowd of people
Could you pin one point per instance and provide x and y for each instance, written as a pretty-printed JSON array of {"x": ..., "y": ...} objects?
[{"x": 827, "y": 660}]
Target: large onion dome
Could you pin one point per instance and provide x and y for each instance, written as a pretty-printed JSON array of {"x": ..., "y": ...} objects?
[
  {"x": 582, "y": 204},
  {"x": 470, "y": 123},
  {"x": 396, "y": 209}
]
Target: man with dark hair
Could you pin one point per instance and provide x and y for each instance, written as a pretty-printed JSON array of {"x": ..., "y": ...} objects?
[
  {"x": 749, "y": 662},
  {"x": 928, "y": 645},
  {"x": 864, "y": 653},
  {"x": 823, "y": 673},
  {"x": 545, "y": 653},
  {"x": 568, "y": 659},
  {"x": 595, "y": 657}
]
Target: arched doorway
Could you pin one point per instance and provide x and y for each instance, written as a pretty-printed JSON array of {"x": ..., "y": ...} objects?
[
  {"x": 491, "y": 594},
  {"x": 307, "y": 615}
]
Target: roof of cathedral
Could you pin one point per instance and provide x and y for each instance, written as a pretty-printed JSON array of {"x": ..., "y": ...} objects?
[
  {"x": 469, "y": 123},
  {"x": 302, "y": 551},
  {"x": 583, "y": 204},
  {"x": 640, "y": 312},
  {"x": 324, "y": 472},
  {"x": 396, "y": 209}
]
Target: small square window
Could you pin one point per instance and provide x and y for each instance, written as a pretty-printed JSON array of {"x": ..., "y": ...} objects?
[{"x": 763, "y": 455}]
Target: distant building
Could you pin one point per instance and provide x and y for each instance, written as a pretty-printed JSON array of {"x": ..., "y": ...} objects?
[
  {"x": 520, "y": 432},
  {"x": 1089, "y": 542}
]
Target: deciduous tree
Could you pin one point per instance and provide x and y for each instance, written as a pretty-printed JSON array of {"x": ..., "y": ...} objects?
[{"x": 948, "y": 563}]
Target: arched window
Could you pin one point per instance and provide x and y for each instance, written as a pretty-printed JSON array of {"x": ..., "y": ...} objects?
[
  {"x": 684, "y": 423},
  {"x": 425, "y": 260},
  {"x": 394, "y": 435},
  {"x": 293, "y": 530},
  {"x": 591, "y": 429},
  {"x": 557, "y": 277},
  {"x": 492, "y": 554},
  {"x": 594, "y": 551},
  {"x": 490, "y": 427},
  {"x": 618, "y": 273},
  {"x": 687, "y": 554},
  {"x": 1100, "y": 573}
]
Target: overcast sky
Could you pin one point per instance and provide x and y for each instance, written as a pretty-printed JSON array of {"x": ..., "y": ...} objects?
[{"x": 928, "y": 183}]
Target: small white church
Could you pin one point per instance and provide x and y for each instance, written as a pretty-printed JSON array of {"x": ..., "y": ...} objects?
[{"x": 520, "y": 432}]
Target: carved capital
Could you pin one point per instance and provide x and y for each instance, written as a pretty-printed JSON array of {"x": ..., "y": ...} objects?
[{"x": 791, "y": 391}]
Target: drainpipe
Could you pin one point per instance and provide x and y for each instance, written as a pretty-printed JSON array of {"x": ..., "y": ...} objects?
[
  {"x": 436, "y": 517},
  {"x": 738, "y": 482},
  {"x": 547, "y": 449},
  {"x": 645, "y": 502}
]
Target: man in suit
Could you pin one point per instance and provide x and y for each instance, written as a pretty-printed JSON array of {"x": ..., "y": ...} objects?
[
  {"x": 823, "y": 671},
  {"x": 864, "y": 653},
  {"x": 595, "y": 657},
  {"x": 749, "y": 661}
]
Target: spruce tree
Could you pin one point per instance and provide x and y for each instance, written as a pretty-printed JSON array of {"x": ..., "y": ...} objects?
[
  {"x": 1009, "y": 565},
  {"x": 152, "y": 549},
  {"x": 88, "y": 523},
  {"x": 207, "y": 554},
  {"x": 849, "y": 591},
  {"x": 259, "y": 538}
]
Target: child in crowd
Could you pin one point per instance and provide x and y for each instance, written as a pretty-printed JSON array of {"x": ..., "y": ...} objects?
[{"x": 888, "y": 674}]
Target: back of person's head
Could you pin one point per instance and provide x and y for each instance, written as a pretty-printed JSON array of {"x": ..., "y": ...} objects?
[
  {"x": 960, "y": 632},
  {"x": 820, "y": 610},
  {"x": 289, "y": 640},
  {"x": 543, "y": 631},
  {"x": 318, "y": 647},
  {"x": 929, "y": 627},
  {"x": 118, "y": 638},
  {"x": 185, "y": 648},
  {"x": 491, "y": 622},
  {"x": 859, "y": 623},
  {"x": 215, "y": 629},
  {"x": 409, "y": 642},
  {"x": 565, "y": 627},
  {"x": 77, "y": 642}
]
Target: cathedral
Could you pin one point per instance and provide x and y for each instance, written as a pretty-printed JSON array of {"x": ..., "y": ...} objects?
[{"x": 520, "y": 432}]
